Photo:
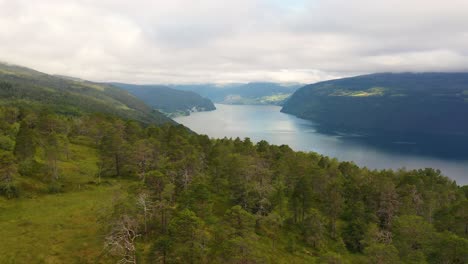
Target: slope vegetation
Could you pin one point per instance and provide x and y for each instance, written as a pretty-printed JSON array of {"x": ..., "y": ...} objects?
[
  {"x": 168, "y": 100},
  {"x": 96, "y": 188},
  {"x": 71, "y": 96},
  {"x": 81, "y": 187},
  {"x": 424, "y": 103}
]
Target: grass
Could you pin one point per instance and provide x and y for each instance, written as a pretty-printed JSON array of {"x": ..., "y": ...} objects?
[
  {"x": 375, "y": 91},
  {"x": 60, "y": 228},
  {"x": 265, "y": 100},
  {"x": 64, "y": 227},
  {"x": 81, "y": 167},
  {"x": 275, "y": 98}
]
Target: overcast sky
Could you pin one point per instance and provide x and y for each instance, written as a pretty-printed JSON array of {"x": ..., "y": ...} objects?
[{"x": 200, "y": 41}]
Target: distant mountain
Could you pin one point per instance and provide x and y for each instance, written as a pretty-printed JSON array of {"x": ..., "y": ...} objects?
[
  {"x": 250, "y": 93},
  {"x": 427, "y": 103},
  {"x": 169, "y": 100},
  {"x": 20, "y": 85}
]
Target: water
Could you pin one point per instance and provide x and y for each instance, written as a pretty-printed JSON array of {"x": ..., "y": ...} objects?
[{"x": 268, "y": 123}]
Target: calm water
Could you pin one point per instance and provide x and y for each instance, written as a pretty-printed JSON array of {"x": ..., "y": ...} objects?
[{"x": 268, "y": 123}]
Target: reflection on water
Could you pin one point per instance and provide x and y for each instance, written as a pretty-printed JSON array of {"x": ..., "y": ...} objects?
[{"x": 268, "y": 123}]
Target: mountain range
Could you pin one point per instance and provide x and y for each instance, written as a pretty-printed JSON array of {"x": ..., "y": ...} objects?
[
  {"x": 249, "y": 93},
  {"x": 168, "y": 100}
]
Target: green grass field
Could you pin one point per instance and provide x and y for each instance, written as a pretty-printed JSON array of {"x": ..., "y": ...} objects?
[
  {"x": 63, "y": 227},
  {"x": 60, "y": 228}
]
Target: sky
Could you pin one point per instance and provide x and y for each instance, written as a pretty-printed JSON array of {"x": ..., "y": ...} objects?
[{"x": 224, "y": 41}]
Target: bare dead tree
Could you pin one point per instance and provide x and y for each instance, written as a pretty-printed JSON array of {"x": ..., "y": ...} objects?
[
  {"x": 121, "y": 240},
  {"x": 145, "y": 204}
]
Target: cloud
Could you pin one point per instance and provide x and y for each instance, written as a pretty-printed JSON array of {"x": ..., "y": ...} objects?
[{"x": 182, "y": 41}]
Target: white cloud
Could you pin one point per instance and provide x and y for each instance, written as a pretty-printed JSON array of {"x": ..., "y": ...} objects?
[{"x": 182, "y": 41}]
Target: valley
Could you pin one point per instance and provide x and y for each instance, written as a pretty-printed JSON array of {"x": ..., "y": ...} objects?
[
  {"x": 392, "y": 152},
  {"x": 89, "y": 173},
  {"x": 234, "y": 132}
]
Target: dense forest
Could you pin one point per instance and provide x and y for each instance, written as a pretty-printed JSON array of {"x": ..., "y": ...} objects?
[
  {"x": 70, "y": 95},
  {"x": 171, "y": 101},
  {"x": 387, "y": 103},
  {"x": 96, "y": 188}
]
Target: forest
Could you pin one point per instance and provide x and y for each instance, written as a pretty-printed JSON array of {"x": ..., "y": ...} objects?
[
  {"x": 124, "y": 191},
  {"x": 71, "y": 96}
]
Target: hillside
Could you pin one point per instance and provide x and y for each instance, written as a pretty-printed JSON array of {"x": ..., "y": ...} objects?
[
  {"x": 71, "y": 96},
  {"x": 168, "y": 100},
  {"x": 96, "y": 188},
  {"x": 250, "y": 93},
  {"x": 387, "y": 103},
  {"x": 81, "y": 185}
]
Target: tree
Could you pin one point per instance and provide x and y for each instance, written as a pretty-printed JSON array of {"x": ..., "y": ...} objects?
[
  {"x": 449, "y": 248},
  {"x": 356, "y": 226},
  {"x": 381, "y": 254},
  {"x": 164, "y": 204},
  {"x": 186, "y": 230},
  {"x": 301, "y": 198},
  {"x": 388, "y": 205},
  {"x": 314, "y": 227},
  {"x": 270, "y": 226},
  {"x": 112, "y": 150},
  {"x": 334, "y": 206},
  {"x": 241, "y": 221},
  {"x": 454, "y": 219},
  {"x": 146, "y": 206},
  {"x": 121, "y": 239},
  {"x": 52, "y": 152},
  {"x": 412, "y": 237},
  {"x": 161, "y": 249},
  {"x": 25, "y": 147},
  {"x": 374, "y": 235},
  {"x": 8, "y": 170},
  {"x": 143, "y": 155}
]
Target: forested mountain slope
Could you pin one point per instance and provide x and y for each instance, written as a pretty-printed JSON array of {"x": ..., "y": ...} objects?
[
  {"x": 84, "y": 180},
  {"x": 71, "y": 96},
  {"x": 96, "y": 188},
  {"x": 425, "y": 103},
  {"x": 168, "y": 100}
]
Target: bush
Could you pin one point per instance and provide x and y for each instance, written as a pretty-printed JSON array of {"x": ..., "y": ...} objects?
[
  {"x": 9, "y": 190},
  {"x": 55, "y": 188},
  {"x": 6, "y": 143},
  {"x": 30, "y": 168}
]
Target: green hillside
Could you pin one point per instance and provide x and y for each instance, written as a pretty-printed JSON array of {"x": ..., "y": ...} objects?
[
  {"x": 19, "y": 85},
  {"x": 84, "y": 180},
  {"x": 96, "y": 188},
  {"x": 420, "y": 103},
  {"x": 167, "y": 100}
]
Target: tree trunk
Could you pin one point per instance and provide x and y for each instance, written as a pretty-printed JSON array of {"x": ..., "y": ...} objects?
[{"x": 117, "y": 164}]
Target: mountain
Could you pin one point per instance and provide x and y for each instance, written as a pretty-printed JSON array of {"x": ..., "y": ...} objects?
[
  {"x": 71, "y": 95},
  {"x": 387, "y": 103},
  {"x": 81, "y": 187},
  {"x": 250, "y": 93},
  {"x": 169, "y": 100},
  {"x": 99, "y": 189}
]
